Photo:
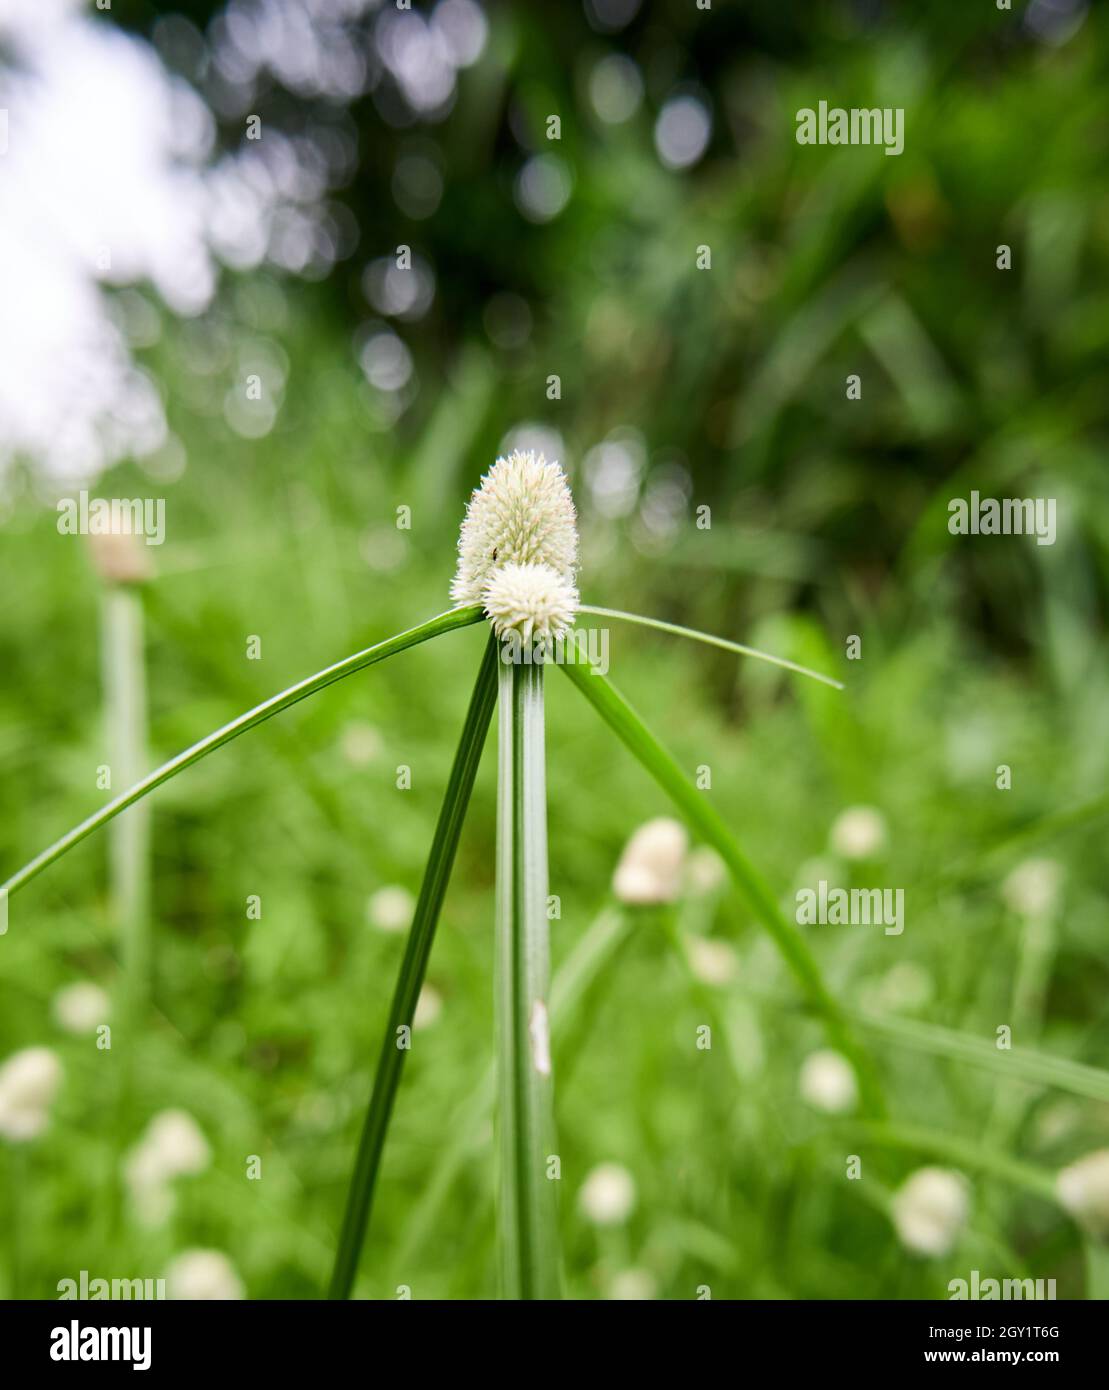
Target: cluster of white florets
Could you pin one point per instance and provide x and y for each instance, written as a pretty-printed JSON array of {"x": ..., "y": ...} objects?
[{"x": 518, "y": 549}]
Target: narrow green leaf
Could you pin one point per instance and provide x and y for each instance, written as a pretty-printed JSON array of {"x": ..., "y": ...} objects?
[
  {"x": 445, "y": 622},
  {"x": 712, "y": 641},
  {"x": 704, "y": 818},
  {"x": 528, "y": 1215},
  {"x": 410, "y": 980},
  {"x": 965, "y": 1153},
  {"x": 1016, "y": 1063}
]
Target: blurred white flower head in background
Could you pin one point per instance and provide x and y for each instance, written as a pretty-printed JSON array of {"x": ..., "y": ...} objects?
[
  {"x": 390, "y": 909},
  {"x": 650, "y": 868},
  {"x": 1083, "y": 1189},
  {"x": 172, "y": 1146},
  {"x": 29, "y": 1080},
  {"x": 858, "y": 833},
  {"x": 712, "y": 962},
  {"x": 827, "y": 1082},
  {"x": 81, "y": 1007},
  {"x": 203, "y": 1274},
  {"x": 1033, "y": 888},
  {"x": 930, "y": 1209},
  {"x": 607, "y": 1196}
]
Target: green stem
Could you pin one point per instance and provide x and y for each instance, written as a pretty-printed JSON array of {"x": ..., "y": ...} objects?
[
  {"x": 124, "y": 677},
  {"x": 704, "y": 818},
  {"x": 410, "y": 980},
  {"x": 528, "y": 1215},
  {"x": 445, "y": 622}
]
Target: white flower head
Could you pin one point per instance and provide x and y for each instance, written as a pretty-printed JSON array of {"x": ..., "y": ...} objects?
[
  {"x": 828, "y": 1082},
  {"x": 650, "y": 869},
  {"x": 522, "y": 514},
  {"x": 930, "y": 1209},
  {"x": 858, "y": 833},
  {"x": 390, "y": 909},
  {"x": 607, "y": 1196},
  {"x": 203, "y": 1274},
  {"x": 81, "y": 1007},
  {"x": 632, "y": 1286},
  {"x": 171, "y": 1146},
  {"x": 705, "y": 871},
  {"x": 529, "y": 602},
  {"x": 28, "y": 1083},
  {"x": 429, "y": 1006},
  {"x": 1032, "y": 889},
  {"x": 712, "y": 962},
  {"x": 178, "y": 1143},
  {"x": 1083, "y": 1190}
]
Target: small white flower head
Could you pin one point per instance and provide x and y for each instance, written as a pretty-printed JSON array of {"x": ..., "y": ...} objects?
[
  {"x": 1083, "y": 1190},
  {"x": 712, "y": 962},
  {"x": 428, "y": 1008},
  {"x": 529, "y": 602},
  {"x": 361, "y": 743},
  {"x": 650, "y": 869},
  {"x": 522, "y": 514},
  {"x": 171, "y": 1146},
  {"x": 827, "y": 1082},
  {"x": 390, "y": 909},
  {"x": 81, "y": 1007},
  {"x": 705, "y": 871},
  {"x": 858, "y": 833},
  {"x": 607, "y": 1196},
  {"x": 930, "y": 1209},
  {"x": 632, "y": 1286},
  {"x": 28, "y": 1083},
  {"x": 1033, "y": 888},
  {"x": 178, "y": 1143},
  {"x": 203, "y": 1274}
]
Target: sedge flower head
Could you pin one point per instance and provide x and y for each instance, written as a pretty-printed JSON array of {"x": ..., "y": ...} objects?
[
  {"x": 522, "y": 514},
  {"x": 531, "y": 602}
]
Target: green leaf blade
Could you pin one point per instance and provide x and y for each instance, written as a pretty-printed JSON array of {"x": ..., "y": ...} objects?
[
  {"x": 700, "y": 814},
  {"x": 411, "y": 977},
  {"x": 434, "y": 627}
]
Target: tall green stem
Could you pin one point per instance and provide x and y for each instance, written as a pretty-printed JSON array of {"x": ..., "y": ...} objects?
[
  {"x": 397, "y": 1039},
  {"x": 124, "y": 676},
  {"x": 528, "y": 1214}
]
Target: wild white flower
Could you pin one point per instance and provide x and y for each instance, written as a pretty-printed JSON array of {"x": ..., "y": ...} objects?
[
  {"x": 712, "y": 962},
  {"x": 81, "y": 1007},
  {"x": 607, "y": 1196},
  {"x": 522, "y": 514},
  {"x": 828, "y": 1083},
  {"x": 930, "y": 1209},
  {"x": 705, "y": 871},
  {"x": 650, "y": 868},
  {"x": 171, "y": 1146},
  {"x": 29, "y": 1081},
  {"x": 428, "y": 1007},
  {"x": 120, "y": 557},
  {"x": 1083, "y": 1189},
  {"x": 202, "y": 1274},
  {"x": 390, "y": 909},
  {"x": 530, "y": 601},
  {"x": 1032, "y": 888},
  {"x": 361, "y": 743},
  {"x": 178, "y": 1142},
  {"x": 858, "y": 833},
  {"x": 632, "y": 1285}
]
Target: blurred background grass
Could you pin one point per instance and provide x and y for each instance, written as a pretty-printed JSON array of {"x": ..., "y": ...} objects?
[{"x": 679, "y": 388}]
